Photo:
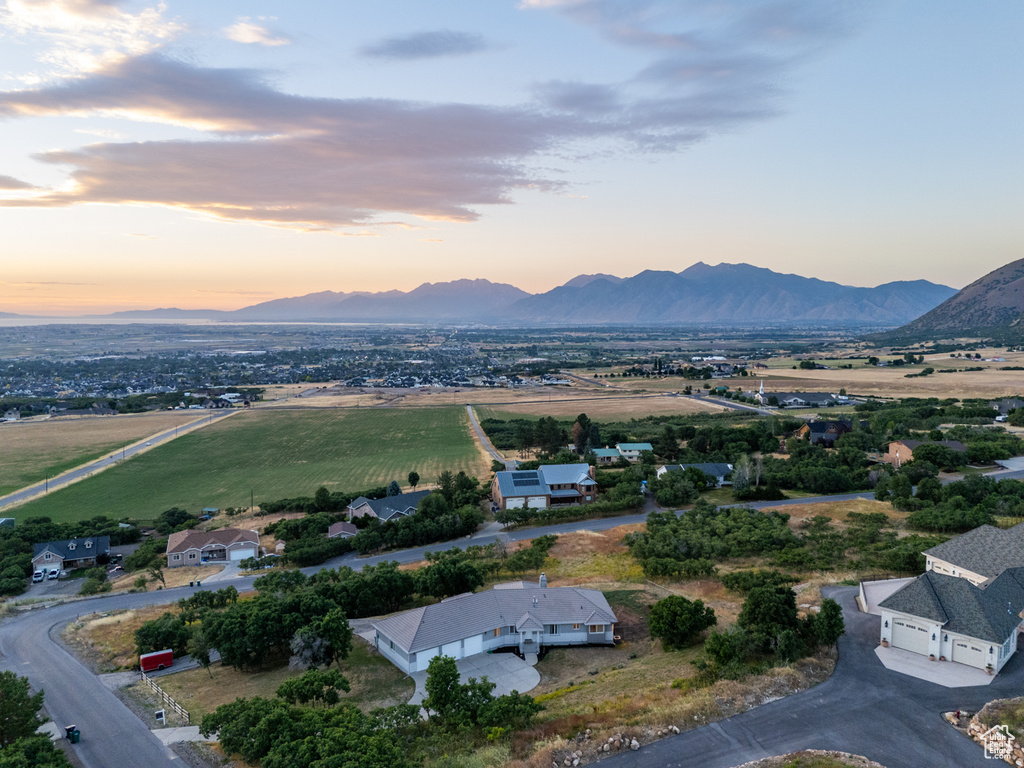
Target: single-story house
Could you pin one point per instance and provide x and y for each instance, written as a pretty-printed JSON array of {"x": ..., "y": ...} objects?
[
  {"x": 718, "y": 471},
  {"x": 341, "y": 530},
  {"x": 551, "y": 485},
  {"x": 523, "y": 615},
  {"x": 1007, "y": 404},
  {"x": 632, "y": 451},
  {"x": 607, "y": 455},
  {"x": 69, "y": 553},
  {"x": 402, "y": 505},
  {"x": 968, "y": 605},
  {"x": 194, "y": 547},
  {"x": 902, "y": 451},
  {"x": 825, "y": 432}
]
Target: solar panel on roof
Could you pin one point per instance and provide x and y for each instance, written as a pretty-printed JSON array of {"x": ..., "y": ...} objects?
[
  {"x": 523, "y": 475},
  {"x": 529, "y": 482}
]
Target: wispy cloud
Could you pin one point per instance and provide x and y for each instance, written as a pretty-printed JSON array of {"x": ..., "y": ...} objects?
[
  {"x": 76, "y": 36},
  {"x": 9, "y": 182},
  {"x": 37, "y": 283},
  {"x": 427, "y": 45},
  {"x": 325, "y": 163},
  {"x": 245, "y": 30}
]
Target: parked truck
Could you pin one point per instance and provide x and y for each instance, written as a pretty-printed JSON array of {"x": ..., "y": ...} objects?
[{"x": 150, "y": 662}]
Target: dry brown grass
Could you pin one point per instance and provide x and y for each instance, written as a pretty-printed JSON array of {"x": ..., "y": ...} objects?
[
  {"x": 34, "y": 449},
  {"x": 836, "y": 511},
  {"x": 612, "y": 408},
  {"x": 174, "y": 577},
  {"x": 108, "y": 639},
  {"x": 375, "y": 683},
  {"x": 892, "y": 381}
]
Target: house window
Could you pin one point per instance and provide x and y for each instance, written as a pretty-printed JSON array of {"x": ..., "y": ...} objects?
[
  {"x": 497, "y": 632},
  {"x": 88, "y": 544},
  {"x": 575, "y": 626},
  {"x": 511, "y": 630},
  {"x": 191, "y": 555},
  {"x": 71, "y": 545},
  {"x": 177, "y": 557},
  {"x": 48, "y": 556},
  {"x": 552, "y": 629},
  {"x": 596, "y": 628}
]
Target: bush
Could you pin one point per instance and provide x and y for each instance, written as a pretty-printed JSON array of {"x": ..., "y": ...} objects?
[{"x": 676, "y": 621}]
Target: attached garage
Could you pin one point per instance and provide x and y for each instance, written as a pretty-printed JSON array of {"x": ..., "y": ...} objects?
[
  {"x": 241, "y": 553},
  {"x": 910, "y": 636},
  {"x": 968, "y": 651}
]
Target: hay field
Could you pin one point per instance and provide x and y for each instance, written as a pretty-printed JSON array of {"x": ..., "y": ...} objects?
[
  {"x": 274, "y": 454},
  {"x": 33, "y": 450},
  {"x": 617, "y": 409}
]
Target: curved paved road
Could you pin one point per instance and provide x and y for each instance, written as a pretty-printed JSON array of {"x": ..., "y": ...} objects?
[{"x": 862, "y": 708}]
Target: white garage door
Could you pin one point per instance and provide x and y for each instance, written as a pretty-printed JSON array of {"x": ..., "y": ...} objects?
[
  {"x": 515, "y": 502},
  {"x": 909, "y": 636},
  {"x": 537, "y": 502},
  {"x": 242, "y": 553},
  {"x": 474, "y": 644},
  {"x": 967, "y": 651}
]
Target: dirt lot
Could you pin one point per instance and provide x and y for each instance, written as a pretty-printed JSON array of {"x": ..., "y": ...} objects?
[
  {"x": 603, "y": 408},
  {"x": 106, "y": 641}
]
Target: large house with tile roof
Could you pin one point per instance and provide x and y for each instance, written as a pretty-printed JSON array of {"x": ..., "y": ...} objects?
[
  {"x": 194, "y": 547},
  {"x": 549, "y": 486},
  {"x": 525, "y": 616},
  {"x": 968, "y": 605}
]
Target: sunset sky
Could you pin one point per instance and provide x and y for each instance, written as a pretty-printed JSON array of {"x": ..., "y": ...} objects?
[{"x": 218, "y": 154}]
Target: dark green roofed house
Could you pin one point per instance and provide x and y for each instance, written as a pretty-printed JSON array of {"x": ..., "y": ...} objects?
[{"x": 967, "y": 607}]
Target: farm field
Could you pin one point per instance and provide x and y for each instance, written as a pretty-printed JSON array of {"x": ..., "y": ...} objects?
[
  {"x": 273, "y": 454},
  {"x": 616, "y": 409},
  {"x": 31, "y": 451}
]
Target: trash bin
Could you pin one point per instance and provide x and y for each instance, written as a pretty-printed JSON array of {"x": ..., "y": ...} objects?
[
  {"x": 199, "y": 583},
  {"x": 76, "y": 736},
  {"x": 191, "y": 583},
  {"x": 68, "y": 730}
]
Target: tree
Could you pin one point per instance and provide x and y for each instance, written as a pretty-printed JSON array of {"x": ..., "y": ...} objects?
[
  {"x": 767, "y": 611},
  {"x": 199, "y": 649},
  {"x": 581, "y": 434},
  {"x": 444, "y": 692},
  {"x": 674, "y": 489},
  {"x": 156, "y": 573},
  {"x": 450, "y": 576},
  {"x": 394, "y": 489},
  {"x": 335, "y": 630},
  {"x": 35, "y": 751},
  {"x": 316, "y": 687},
  {"x": 414, "y": 479},
  {"x": 829, "y": 625},
  {"x": 677, "y": 621},
  {"x": 322, "y": 499},
  {"x": 18, "y": 708}
]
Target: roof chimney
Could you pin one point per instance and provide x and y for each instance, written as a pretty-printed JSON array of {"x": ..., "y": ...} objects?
[{"x": 543, "y": 581}]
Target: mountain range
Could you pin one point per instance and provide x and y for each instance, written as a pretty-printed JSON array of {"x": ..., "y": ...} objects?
[
  {"x": 735, "y": 294},
  {"x": 990, "y": 307}
]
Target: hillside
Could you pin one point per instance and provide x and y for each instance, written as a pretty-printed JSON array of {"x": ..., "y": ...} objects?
[{"x": 990, "y": 307}]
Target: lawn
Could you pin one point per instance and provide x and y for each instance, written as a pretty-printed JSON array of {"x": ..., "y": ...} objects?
[
  {"x": 35, "y": 450},
  {"x": 274, "y": 454}
]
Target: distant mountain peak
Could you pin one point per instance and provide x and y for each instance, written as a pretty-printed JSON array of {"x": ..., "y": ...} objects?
[{"x": 582, "y": 280}]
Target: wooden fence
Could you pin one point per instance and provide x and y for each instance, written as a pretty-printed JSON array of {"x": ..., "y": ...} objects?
[{"x": 167, "y": 699}]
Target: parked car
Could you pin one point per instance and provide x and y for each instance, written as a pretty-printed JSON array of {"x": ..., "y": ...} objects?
[
  {"x": 37, "y": 577},
  {"x": 54, "y": 574}
]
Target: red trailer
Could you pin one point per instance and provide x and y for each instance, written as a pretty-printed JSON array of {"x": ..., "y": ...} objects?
[{"x": 156, "y": 660}]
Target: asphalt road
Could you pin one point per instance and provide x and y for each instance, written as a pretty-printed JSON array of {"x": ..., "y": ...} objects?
[
  {"x": 862, "y": 708},
  {"x": 18, "y": 497}
]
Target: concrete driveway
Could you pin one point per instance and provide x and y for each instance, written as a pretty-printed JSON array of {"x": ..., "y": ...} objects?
[{"x": 506, "y": 670}]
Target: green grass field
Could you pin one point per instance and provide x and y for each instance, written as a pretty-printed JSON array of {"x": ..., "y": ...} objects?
[{"x": 274, "y": 454}]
